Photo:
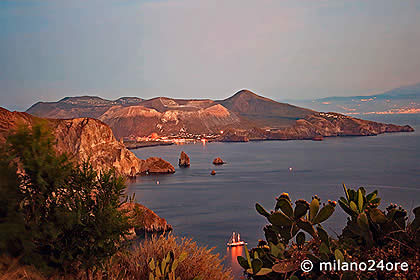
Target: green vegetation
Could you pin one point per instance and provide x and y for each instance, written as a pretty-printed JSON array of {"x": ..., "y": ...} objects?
[
  {"x": 63, "y": 220},
  {"x": 192, "y": 262},
  {"x": 166, "y": 268},
  {"x": 58, "y": 215},
  {"x": 370, "y": 234}
]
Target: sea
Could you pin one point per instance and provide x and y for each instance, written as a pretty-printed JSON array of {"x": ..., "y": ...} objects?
[{"x": 209, "y": 208}]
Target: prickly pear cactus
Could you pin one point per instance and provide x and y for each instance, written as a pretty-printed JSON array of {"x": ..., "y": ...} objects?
[
  {"x": 370, "y": 232},
  {"x": 288, "y": 221},
  {"x": 356, "y": 201},
  {"x": 165, "y": 269}
]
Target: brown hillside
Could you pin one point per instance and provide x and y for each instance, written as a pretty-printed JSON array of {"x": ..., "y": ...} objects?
[
  {"x": 245, "y": 115},
  {"x": 263, "y": 111}
]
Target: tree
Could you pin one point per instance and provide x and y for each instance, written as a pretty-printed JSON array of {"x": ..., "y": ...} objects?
[
  {"x": 12, "y": 226},
  {"x": 68, "y": 211}
]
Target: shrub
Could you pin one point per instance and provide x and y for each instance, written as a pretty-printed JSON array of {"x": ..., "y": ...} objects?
[
  {"x": 62, "y": 216},
  {"x": 199, "y": 263},
  {"x": 196, "y": 263},
  {"x": 12, "y": 269},
  {"x": 13, "y": 235}
]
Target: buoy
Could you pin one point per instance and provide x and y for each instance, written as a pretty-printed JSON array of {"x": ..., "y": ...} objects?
[{"x": 213, "y": 172}]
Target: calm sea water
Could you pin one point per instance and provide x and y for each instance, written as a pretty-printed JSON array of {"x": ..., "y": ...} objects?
[{"x": 208, "y": 208}]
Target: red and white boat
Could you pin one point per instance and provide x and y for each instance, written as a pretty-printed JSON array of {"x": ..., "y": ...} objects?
[{"x": 235, "y": 240}]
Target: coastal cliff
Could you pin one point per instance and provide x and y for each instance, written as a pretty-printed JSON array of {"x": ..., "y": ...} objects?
[
  {"x": 334, "y": 124},
  {"x": 144, "y": 219},
  {"x": 316, "y": 126},
  {"x": 88, "y": 140},
  {"x": 92, "y": 140}
]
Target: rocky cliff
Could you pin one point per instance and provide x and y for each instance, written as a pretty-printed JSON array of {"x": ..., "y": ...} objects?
[
  {"x": 10, "y": 120},
  {"x": 145, "y": 219},
  {"x": 88, "y": 139},
  {"x": 92, "y": 140}
]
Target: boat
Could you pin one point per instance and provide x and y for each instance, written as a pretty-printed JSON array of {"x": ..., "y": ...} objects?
[{"x": 235, "y": 240}]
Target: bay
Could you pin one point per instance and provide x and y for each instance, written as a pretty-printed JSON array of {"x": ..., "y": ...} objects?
[{"x": 209, "y": 208}]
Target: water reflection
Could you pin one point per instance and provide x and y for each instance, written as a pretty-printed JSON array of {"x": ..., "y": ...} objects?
[{"x": 232, "y": 254}]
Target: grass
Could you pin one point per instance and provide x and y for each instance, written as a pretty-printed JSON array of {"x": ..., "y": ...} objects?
[
  {"x": 200, "y": 261},
  {"x": 11, "y": 269},
  {"x": 133, "y": 264}
]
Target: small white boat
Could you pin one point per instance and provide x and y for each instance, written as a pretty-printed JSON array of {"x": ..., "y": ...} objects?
[{"x": 235, "y": 240}]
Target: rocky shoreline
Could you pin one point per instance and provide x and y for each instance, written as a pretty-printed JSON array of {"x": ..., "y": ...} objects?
[{"x": 315, "y": 127}]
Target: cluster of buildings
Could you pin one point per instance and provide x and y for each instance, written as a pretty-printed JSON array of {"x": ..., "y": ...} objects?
[{"x": 179, "y": 139}]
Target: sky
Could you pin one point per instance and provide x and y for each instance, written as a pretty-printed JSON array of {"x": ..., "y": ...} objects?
[{"x": 205, "y": 49}]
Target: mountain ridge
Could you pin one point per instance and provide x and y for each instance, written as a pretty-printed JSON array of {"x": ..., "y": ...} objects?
[
  {"x": 244, "y": 103},
  {"x": 244, "y": 113}
]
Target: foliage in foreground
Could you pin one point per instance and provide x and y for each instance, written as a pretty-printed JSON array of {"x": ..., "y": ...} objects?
[
  {"x": 53, "y": 213},
  {"x": 197, "y": 262},
  {"x": 370, "y": 234},
  {"x": 60, "y": 220},
  {"x": 194, "y": 262}
]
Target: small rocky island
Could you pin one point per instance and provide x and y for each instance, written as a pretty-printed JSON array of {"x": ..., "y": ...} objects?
[
  {"x": 184, "y": 160},
  {"x": 144, "y": 220},
  {"x": 218, "y": 161}
]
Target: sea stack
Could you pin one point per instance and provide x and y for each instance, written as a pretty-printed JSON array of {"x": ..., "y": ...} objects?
[
  {"x": 154, "y": 165},
  {"x": 184, "y": 160},
  {"x": 143, "y": 220},
  {"x": 218, "y": 161}
]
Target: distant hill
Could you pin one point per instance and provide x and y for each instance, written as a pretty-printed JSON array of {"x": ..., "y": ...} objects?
[
  {"x": 402, "y": 100},
  {"x": 245, "y": 115},
  {"x": 264, "y": 111},
  {"x": 135, "y": 116},
  {"x": 79, "y": 107},
  {"x": 142, "y": 121}
]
